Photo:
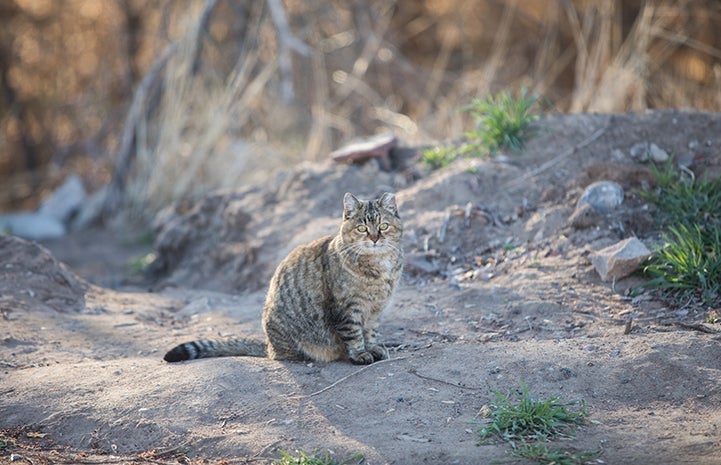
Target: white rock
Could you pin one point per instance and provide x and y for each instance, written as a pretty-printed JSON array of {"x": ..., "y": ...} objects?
[
  {"x": 639, "y": 151},
  {"x": 657, "y": 154},
  {"x": 33, "y": 226},
  {"x": 90, "y": 210},
  {"x": 66, "y": 201},
  {"x": 620, "y": 260}
]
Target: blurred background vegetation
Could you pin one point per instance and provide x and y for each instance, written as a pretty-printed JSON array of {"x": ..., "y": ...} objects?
[{"x": 176, "y": 97}]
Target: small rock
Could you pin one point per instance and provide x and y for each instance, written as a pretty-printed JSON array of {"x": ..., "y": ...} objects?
[
  {"x": 90, "y": 210},
  {"x": 66, "y": 201},
  {"x": 657, "y": 154},
  {"x": 603, "y": 196},
  {"x": 639, "y": 151},
  {"x": 620, "y": 260},
  {"x": 374, "y": 147},
  {"x": 33, "y": 226}
]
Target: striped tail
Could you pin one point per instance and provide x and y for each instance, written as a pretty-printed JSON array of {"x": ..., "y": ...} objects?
[{"x": 216, "y": 348}]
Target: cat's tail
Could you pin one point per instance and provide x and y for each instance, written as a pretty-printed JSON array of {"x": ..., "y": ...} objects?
[{"x": 216, "y": 348}]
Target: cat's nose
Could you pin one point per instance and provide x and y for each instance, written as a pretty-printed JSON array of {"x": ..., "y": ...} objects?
[{"x": 375, "y": 237}]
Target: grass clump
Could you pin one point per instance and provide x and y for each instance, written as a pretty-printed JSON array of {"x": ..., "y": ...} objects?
[
  {"x": 526, "y": 422},
  {"x": 439, "y": 157},
  {"x": 528, "y": 418},
  {"x": 502, "y": 121},
  {"x": 689, "y": 265},
  {"x": 546, "y": 455},
  {"x": 301, "y": 458}
]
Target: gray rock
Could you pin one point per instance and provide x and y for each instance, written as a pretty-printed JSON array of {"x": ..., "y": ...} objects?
[
  {"x": 66, "y": 201},
  {"x": 33, "y": 226},
  {"x": 90, "y": 210},
  {"x": 657, "y": 154},
  {"x": 639, "y": 151},
  {"x": 620, "y": 260},
  {"x": 603, "y": 196}
]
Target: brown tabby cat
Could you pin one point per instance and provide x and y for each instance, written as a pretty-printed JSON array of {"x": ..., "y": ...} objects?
[{"x": 325, "y": 298}]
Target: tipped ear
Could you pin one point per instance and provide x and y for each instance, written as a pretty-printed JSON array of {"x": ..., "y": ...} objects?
[
  {"x": 350, "y": 204},
  {"x": 388, "y": 201}
]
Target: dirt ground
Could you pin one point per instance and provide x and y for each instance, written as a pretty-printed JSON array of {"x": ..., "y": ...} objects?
[{"x": 498, "y": 293}]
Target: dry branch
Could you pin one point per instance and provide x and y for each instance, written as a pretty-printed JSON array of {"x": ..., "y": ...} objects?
[{"x": 116, "y": 190}]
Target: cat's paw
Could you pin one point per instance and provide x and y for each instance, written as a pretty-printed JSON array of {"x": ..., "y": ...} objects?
[
  {"x": 378, "y": 352},
  {"x": 361, "y": 358}
]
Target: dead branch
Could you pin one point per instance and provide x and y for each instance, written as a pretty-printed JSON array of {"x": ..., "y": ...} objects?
[
  {"x": 460, "y": 386},
  {"x": 337, "y": 382},
  {"x": 522, "y": 181},
  {"x": 286, "y": 42},
  {"x": 116, "y": 190}
]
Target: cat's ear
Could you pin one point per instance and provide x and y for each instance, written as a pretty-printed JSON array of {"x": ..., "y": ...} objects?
[
  {"x": 350, "y": 204},
  {"x": 388, "y": 201}
]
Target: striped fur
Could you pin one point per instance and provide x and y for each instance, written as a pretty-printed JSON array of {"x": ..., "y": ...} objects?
[{"x": 326, "y": 297}]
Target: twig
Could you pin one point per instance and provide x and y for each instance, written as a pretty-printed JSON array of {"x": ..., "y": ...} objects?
[
  {"x": 334, "y": 384},
  {"x": 521, "y": 181},
  {"x": 697, "y": 327},
  {"x": 414, "y": 372}
]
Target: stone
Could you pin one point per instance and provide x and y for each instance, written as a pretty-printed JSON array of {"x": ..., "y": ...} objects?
[
  {"x": 619, "y": 260},
  {"x": 33, "y": 226},
  {"x": 603, "y": 196},
  {"x": 90, "y": 211},
  {"x": 66, "y": 201},
  {"x": 639, "y": 151},
  {"x": 374, "y": 147},
  {"x": 657, "y": 154}
]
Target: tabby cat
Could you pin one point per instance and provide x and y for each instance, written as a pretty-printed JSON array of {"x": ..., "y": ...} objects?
[{"x": 325, "y": 298}]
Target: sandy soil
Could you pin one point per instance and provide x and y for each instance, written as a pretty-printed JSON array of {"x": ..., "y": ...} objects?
[{"x": 498, "y": 293}]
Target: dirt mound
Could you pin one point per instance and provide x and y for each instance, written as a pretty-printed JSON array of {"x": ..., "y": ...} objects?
[
  {"x": 30, "y": 277},
  {"x": 232, "y": 241}
]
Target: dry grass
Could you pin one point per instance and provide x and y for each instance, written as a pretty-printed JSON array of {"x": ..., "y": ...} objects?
[{"x": 375, "y": 67}]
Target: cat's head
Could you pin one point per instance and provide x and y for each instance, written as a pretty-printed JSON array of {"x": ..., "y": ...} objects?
[{"x": 371, "y": 226}]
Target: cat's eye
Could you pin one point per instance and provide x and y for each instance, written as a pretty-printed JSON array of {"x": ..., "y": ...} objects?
[
  {"x": 383, "y": 226},
  {"x": 361, "y": 228}
]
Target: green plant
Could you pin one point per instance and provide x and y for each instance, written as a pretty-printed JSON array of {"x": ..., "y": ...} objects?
[
  {"x": 531, "y": 419},
  {"x": 304, "y": 459},
  {"x": 686, "y": 201},
  {"x": 690, "y": 263},
  {"x": 140, "y": 264},
  {"x": 439, "y": 157},
  {"x": 546, "y": 455},
  {"x": 502, "y": 121}
]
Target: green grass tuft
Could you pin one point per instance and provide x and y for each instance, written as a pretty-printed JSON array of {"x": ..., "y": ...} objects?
[
  {"x": 439, "y": 157},
  {"x": 689, "y": 265},
  {"x": 301, "y": 458},
  {"x": 532, "y": 419},
  {"x": 546, "y": 455},
  {"x": 502, "y": 121}
]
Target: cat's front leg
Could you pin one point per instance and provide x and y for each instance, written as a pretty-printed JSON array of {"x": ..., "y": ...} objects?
[
  {"x": 351, "y": 333},
  {"x": 369, "y": 335}
]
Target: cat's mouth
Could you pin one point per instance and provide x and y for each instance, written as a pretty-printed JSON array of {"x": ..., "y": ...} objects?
[{"x": 374, "y": 247}]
